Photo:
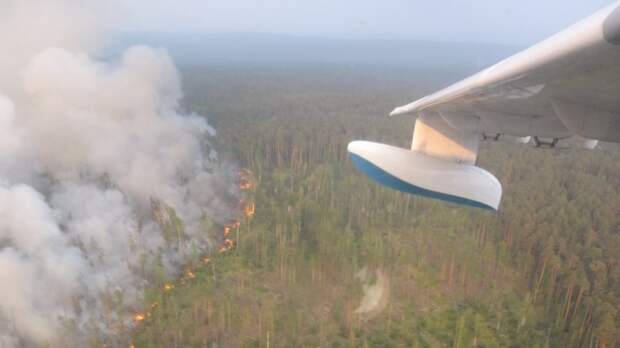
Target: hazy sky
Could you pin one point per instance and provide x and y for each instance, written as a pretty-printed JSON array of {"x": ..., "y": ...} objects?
[{"x": 501, "y": 21}]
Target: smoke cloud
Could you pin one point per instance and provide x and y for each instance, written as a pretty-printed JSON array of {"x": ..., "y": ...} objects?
[
  {"x": 102, "y": 178},
  {"x": 376, "y": 292}
]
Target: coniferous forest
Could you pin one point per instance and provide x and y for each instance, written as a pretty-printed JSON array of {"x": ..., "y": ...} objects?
[{"x": 324, "y": 257}]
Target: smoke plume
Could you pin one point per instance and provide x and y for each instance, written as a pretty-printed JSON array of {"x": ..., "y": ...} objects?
[{"x": 97, "y": 166}]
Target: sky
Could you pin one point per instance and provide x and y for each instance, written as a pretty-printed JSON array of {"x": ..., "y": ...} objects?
[{"x": 496, "y": 21}]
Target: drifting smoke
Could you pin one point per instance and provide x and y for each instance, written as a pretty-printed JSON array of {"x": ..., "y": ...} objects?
[
  {"x": 88, "y": 150},
  {"x": 376, "y": 293}
]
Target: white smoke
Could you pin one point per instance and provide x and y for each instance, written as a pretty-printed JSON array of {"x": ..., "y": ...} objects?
[
  {"x": 376, "y": 292},
  {"x": 90, "y": 153}
]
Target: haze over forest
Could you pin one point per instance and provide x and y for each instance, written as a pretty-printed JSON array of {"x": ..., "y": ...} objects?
[
  {"x": 322, "y": 241},
  {"x": 197, "y": 49},
  {"x": 194, "y": 190}
]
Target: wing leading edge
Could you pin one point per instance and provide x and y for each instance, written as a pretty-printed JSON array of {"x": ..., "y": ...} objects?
[
  {"x": 566, "y": 85},
  {"x": 576, "y": 69}
]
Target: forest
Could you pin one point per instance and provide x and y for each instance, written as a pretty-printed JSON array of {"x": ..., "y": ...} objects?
[{"x": 323, "y": 257}]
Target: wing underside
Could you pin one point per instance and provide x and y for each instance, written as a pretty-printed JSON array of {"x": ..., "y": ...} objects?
[{"x": 568, "y": 84}]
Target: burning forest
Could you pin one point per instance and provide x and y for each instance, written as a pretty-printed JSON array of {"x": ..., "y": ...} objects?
[
  {"x": 106, "y": 188},
  {"x": 246, "y": 185}
]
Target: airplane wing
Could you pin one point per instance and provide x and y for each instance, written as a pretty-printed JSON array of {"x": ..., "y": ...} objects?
[{"x": 566, "y": 85}]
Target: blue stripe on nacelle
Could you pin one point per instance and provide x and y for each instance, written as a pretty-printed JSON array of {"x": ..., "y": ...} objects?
[{"x": 387, "y": 179}]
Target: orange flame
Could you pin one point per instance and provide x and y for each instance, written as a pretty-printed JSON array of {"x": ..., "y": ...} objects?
[
  {"x": 245, "y": 179},
  {"x": 249, "y": 210},
  {"x": 229, "y": 243}
]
